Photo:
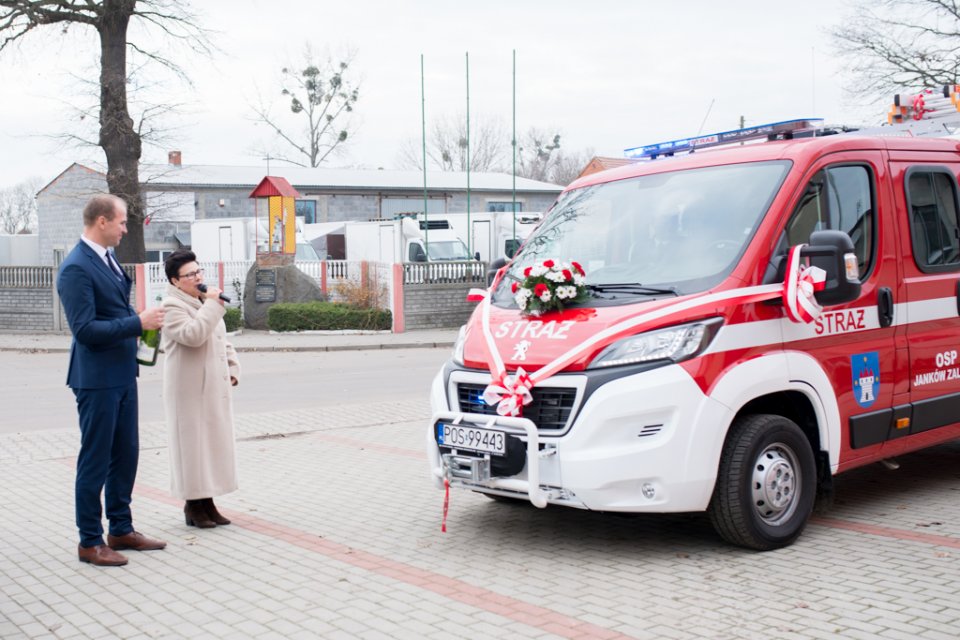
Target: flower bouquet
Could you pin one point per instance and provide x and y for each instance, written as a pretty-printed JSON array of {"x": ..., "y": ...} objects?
[{"x": 549, "y": 286}]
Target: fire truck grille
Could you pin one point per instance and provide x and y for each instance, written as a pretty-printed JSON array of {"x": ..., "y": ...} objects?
[{"x": 550, "y": 409}]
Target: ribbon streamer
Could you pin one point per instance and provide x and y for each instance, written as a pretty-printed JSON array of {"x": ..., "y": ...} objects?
[{"x": 511, "y": 393}]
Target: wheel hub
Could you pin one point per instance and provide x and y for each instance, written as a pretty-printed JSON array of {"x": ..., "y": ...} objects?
[{"x": 774, "y": 483}]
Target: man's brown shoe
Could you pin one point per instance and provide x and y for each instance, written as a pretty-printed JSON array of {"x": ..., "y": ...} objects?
[
  {"x": 135, "y": 541},
  {"x": 101, "y": 555}
]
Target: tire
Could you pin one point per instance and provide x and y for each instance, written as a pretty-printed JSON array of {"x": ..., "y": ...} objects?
[{"x": 766, "y": 483}]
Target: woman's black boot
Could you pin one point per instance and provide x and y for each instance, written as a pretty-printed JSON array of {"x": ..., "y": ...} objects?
[
  {"x": 212, "y": 512},
  {"x": 196, "y": 516}
]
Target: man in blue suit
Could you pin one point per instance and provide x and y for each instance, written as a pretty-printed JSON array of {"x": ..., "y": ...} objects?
[{"x": 95, "y": 293}]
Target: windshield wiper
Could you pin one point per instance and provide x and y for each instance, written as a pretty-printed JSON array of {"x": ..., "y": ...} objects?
[{"x": 631, "y": 287}]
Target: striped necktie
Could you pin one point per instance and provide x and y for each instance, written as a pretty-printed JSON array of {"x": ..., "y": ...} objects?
[{"x": 114, "y": 265}]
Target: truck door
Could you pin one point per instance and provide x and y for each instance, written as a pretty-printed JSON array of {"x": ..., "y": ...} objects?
[
  {"x": 226, "y": 244},
  {"x": 480, "y": 240},
  {"x": 854, "y": 343},
  {"x": 388, "y": 244},
  {"x": 929, "y": 219}
]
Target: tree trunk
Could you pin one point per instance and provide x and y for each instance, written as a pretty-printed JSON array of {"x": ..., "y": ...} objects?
[{"x": 119, "y": 140}]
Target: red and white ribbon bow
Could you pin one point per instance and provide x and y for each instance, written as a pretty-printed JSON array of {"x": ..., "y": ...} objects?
[
  {"x": 799, "y": 287},
  {"x": 510, "y": 393}
]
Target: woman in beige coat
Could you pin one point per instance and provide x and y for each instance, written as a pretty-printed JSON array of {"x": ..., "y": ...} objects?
[{"x": 200, "y": 367}]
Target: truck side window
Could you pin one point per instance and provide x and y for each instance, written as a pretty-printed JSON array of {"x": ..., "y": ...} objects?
[
  {"x": 837, "y": 198},
  {"x": 932, "y": 200}
]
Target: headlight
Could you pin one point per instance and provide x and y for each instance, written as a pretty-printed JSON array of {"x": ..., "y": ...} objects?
[
  {"x": 673, "y": 343},
  {"x": 458, "y": 345}
]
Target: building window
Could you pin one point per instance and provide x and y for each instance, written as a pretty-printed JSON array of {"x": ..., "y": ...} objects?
[
  {"x": 306, "y": 209},
  {"x": 500, "y": 206}
]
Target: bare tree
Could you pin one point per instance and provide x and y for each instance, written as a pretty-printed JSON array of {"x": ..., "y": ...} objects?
[
  {"x": 321, "y": 97},
  {"x": 569, "y": 165},
  {"x": 18, "y": 207},
  {"x": 119, "y": 138},
  {"x": 537, "y": 154},
  {"x": 893, "y": 44},
  {"x": 447, "y": 145}
]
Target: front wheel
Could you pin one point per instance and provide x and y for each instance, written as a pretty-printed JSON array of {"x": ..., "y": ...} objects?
[{"x": 766, "y": 483}]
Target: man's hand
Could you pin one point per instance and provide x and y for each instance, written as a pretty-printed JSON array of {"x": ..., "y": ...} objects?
[{"x": 152, "y": 318}]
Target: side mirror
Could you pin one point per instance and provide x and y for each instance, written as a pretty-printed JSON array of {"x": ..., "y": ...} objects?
[
  {"x": 833, "y": 252},
  {"x": 419, "y": 255},
  {"x": 476, "y": 256},
  {"x": 495, "y": 266}
]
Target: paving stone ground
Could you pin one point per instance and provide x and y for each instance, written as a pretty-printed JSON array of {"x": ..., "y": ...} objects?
[{"x": 336, "y": 534}]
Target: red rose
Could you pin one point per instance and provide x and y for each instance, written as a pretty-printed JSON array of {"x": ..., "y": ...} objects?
[
  {"x": 576, "y": 265},
  {"x": 540, "y": 289},
  {"x": 548, "y": 264},
  {"x": 567, "y": 275},
  {"x": 515, "y": 286},
  {"x": 526, "y": 272}
]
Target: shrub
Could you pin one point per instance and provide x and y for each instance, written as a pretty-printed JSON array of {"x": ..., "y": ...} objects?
[
  {"x": 233, "y": 319},
  {"x": 369, "y": 295},
  {"x": 325, "y": 316}
]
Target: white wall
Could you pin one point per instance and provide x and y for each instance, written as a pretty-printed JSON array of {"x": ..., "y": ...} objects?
[{"x": 22, "y": 250}]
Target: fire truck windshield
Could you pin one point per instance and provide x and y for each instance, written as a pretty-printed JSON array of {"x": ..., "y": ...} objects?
[{"x": 680, "y": 231}]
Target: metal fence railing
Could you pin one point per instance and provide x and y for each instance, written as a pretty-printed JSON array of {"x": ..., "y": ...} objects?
[
  {"x": 444, "y": 272},
  {"x": 26, "y": 277}
]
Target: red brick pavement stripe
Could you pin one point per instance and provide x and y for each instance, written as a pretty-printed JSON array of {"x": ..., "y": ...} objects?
[
  {"x": 888, "y": 532},
  {"x": 474, "y": 596}
]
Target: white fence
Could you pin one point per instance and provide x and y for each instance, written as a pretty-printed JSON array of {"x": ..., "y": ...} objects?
[{"x": 235, "y": 275}]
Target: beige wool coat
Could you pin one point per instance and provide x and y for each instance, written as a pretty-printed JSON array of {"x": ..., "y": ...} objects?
[{"x": 197, "y": 396}]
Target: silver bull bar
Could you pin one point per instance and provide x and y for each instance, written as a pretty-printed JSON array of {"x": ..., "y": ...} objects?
[{"x": 476, "y": 471}]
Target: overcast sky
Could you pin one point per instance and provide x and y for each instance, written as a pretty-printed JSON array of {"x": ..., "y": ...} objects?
[{"x": 606, "y": 74}]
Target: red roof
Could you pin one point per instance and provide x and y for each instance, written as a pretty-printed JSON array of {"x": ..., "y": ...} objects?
[{"x": 274, "y": 186}]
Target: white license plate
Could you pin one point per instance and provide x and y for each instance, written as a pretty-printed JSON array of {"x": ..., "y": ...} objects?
[{"x": 472, "y": 438}]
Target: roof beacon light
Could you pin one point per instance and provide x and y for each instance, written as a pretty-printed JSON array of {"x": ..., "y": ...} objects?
[{"x": 785, "y": 130}]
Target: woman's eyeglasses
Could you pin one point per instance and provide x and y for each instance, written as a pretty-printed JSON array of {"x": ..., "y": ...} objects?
[{"x": 192, "y": 275}]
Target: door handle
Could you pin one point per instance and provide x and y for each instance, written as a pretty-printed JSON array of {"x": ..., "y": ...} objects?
[{"x": 885, "y": 306}]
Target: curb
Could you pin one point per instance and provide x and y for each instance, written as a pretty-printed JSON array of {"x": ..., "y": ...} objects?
[{"x": 263, "y": 349}]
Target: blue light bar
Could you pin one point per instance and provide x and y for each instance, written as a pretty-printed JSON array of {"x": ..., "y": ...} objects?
[{"x": 770, "y": 131}]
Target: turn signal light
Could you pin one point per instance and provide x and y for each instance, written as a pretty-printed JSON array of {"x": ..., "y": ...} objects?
[{"x": 903, "y": 423}]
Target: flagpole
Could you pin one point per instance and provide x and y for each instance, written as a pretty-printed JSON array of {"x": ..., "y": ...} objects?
[
  {"x": 469, "y": 228},
  {"x": 423, "y": 139}
]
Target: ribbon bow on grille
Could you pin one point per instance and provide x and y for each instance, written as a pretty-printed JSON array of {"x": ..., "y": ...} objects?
[{"x": 510, "y": 393}]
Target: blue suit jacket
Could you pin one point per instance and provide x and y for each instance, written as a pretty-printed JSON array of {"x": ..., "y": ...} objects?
[{"x": 105, "y": 327}]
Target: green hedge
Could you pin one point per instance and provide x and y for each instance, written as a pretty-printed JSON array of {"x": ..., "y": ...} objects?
[
  {"x": 325, "y": 316},
  {"x": 233, "y": 319}
]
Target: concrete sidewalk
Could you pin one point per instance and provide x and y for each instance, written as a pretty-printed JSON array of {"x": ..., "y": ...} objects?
[{"x": 250, "y": 340}]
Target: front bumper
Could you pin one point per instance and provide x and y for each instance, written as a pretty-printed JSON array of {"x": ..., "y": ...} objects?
[{"x": 646, "y": 442}]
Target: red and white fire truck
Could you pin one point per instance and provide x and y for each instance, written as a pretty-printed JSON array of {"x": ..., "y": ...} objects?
[{"x": 756, "y": 318}]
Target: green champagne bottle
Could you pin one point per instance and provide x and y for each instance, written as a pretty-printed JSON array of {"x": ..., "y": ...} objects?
[{"x": 148, "y": 347}]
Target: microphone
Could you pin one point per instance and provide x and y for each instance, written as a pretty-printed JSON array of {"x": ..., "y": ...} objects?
[{"x": 202, "y": 288}]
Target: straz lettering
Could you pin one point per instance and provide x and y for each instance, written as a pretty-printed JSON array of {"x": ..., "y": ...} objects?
[
  {"x": 535, "y": 329},
  {"x": 840, "y": 322}
]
